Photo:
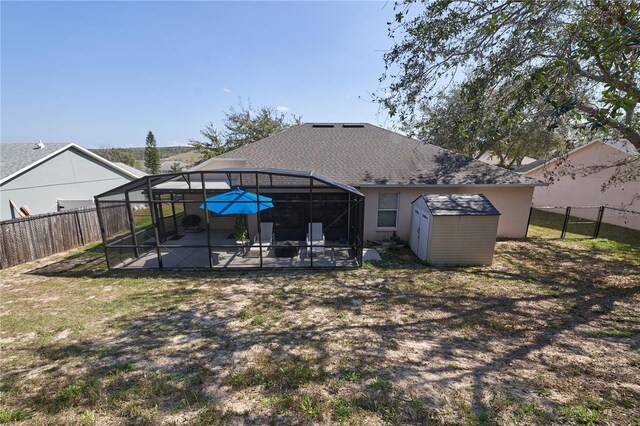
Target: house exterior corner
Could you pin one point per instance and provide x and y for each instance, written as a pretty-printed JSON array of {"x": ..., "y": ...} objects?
[{"x": 513, "y": 203}]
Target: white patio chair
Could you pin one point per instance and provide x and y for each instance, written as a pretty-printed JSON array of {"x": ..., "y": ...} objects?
[
  {"x": 315, "y": 237},
  {"x": 267, "y": 236}
]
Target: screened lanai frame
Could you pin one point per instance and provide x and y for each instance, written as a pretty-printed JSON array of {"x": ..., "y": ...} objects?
[{"x": 124, "y": 242}]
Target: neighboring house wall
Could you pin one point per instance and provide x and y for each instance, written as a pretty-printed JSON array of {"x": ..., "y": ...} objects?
[
  {"x": 69, "y": 175},
  {"x": 513, "y": 202},
  {"x": 587, "y": 190}
]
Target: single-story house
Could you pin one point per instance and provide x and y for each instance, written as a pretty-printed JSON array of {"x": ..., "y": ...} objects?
[
  {"x": 172, "y": 166},
  {"x": 584, "y": 177},
  {"x": 134, "y": 171},
  {"x": 391, "y": 170},
  {"x": 495, "y": 160},
  {"x": 39, "y": 176}
]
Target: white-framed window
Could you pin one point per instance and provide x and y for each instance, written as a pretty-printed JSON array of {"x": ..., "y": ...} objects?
[{"x": 388, "y": 210}]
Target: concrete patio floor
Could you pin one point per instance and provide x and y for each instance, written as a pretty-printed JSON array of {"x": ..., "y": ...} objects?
[{"x": 233, "y": 257}]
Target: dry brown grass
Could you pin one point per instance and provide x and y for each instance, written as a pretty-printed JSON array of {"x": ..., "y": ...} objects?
[{"x": 548, "y": 334}]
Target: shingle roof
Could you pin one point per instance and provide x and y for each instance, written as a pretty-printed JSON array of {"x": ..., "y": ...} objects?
[
  {"x": 167, "y": 165},
  {"x": 363, "y": 154},
  {"x": 459, "y": 205},
  {"x": 531, "y": 166},
  {"x": 132, "y": 170},
  {"x": 17, "y": 156},
  {"x": 623, "y": 145}
]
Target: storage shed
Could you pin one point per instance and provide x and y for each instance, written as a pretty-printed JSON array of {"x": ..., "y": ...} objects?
[{"x": 454, "y": 229}]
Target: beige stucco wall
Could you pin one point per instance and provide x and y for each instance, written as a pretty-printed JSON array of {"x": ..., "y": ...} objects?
[
  {"x": 587, "y": 190},
  {"x": 513, "y": 202}
]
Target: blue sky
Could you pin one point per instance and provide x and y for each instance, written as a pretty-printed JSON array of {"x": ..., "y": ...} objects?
[{"x": 103, "y": 74}]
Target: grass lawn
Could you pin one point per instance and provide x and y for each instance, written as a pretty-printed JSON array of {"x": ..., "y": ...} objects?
[{"x": 548, "y": 334}]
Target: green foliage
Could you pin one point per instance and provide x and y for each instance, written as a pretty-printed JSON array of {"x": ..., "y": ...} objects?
[
  {"x": 241, "y": 127},
  {"x": 151, "y": 155},
  {"x": 473, "y": 122},
  {"x": 578, "y": 59},
  {"x": 240, "y": 229},
  {"x": 613, "y": 332},
  {"x": 342, "y": 408},
  {"x": 8, "y": 415},
  {"x": 118, "y": 155},
  {"x": 211, "y": 146},
  {"x": 176, "y": 167},
  {"x": 309, "y": 407},
  {"x": 583, "y": 413},
  {"x": 132, "y": 156}
]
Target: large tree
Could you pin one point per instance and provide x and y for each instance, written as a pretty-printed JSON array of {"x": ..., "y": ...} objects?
[
  {"x": 242, "y": 126},
  {"x": 580, "y": 57},
  {"x": 151, "y": 155},
  {"x": 475, "y": 123}
]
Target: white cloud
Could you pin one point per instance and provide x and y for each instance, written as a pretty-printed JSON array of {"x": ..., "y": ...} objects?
[
  {"x": 282, "y": 108},
  {"x": 226, "y": 90}
]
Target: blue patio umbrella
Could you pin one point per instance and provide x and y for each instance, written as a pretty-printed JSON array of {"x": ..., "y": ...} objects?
[{"x": 237, "y": 202}]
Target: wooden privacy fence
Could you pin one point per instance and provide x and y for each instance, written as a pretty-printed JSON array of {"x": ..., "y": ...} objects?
[{"x": 30, "y": 238}]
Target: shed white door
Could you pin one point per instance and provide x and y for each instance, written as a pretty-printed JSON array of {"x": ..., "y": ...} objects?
[{"x": 420, "y": 229}]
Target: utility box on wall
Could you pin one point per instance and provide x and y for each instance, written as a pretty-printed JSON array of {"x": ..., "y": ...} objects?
[{"x": 454, "y": 229}]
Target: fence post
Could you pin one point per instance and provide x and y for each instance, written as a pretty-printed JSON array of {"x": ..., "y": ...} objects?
[
  {"x": 526, "y": 233},
  {"x": 79, "y": 228},
  {"x": 598, "y": 222},
  {"x": 102, "y": 232},
  {"x": 154, "y": 219},
  {"x": 566, "y": 222},
  {"x": 132, "y": 226}
]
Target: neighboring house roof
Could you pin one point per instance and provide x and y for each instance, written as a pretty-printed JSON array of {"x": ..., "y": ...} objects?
[
  {"x": 167, "y": 165},
  {"x": 132, "y": 170},
  {"x": 531, "y": 166},
  {"x": 622, "y": 145},
  {"x": 459, "y": 205},
  {"x": 363, "y": 154},
  {"x": 495, "y": 160},
  {"x": 18, "y": 158}
]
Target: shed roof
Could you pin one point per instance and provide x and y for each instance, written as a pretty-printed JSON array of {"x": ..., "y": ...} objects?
[
  {"x": 368, "y": 155},
  {"x": 458, "y": 205}
]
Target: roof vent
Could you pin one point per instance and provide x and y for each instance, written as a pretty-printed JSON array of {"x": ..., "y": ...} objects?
[
  {"x": 353, "y": 125},
  {"x": 39, "y": 145},
  {"x": 323, "y": 125}
]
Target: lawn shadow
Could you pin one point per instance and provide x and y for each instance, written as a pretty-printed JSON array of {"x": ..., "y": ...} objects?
[{"x": 218, "y": 357}]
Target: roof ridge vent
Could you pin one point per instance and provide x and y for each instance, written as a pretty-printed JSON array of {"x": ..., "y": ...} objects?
[
  {"x": 353, "y": 125},
  {"x": 323, "y": 125}
]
